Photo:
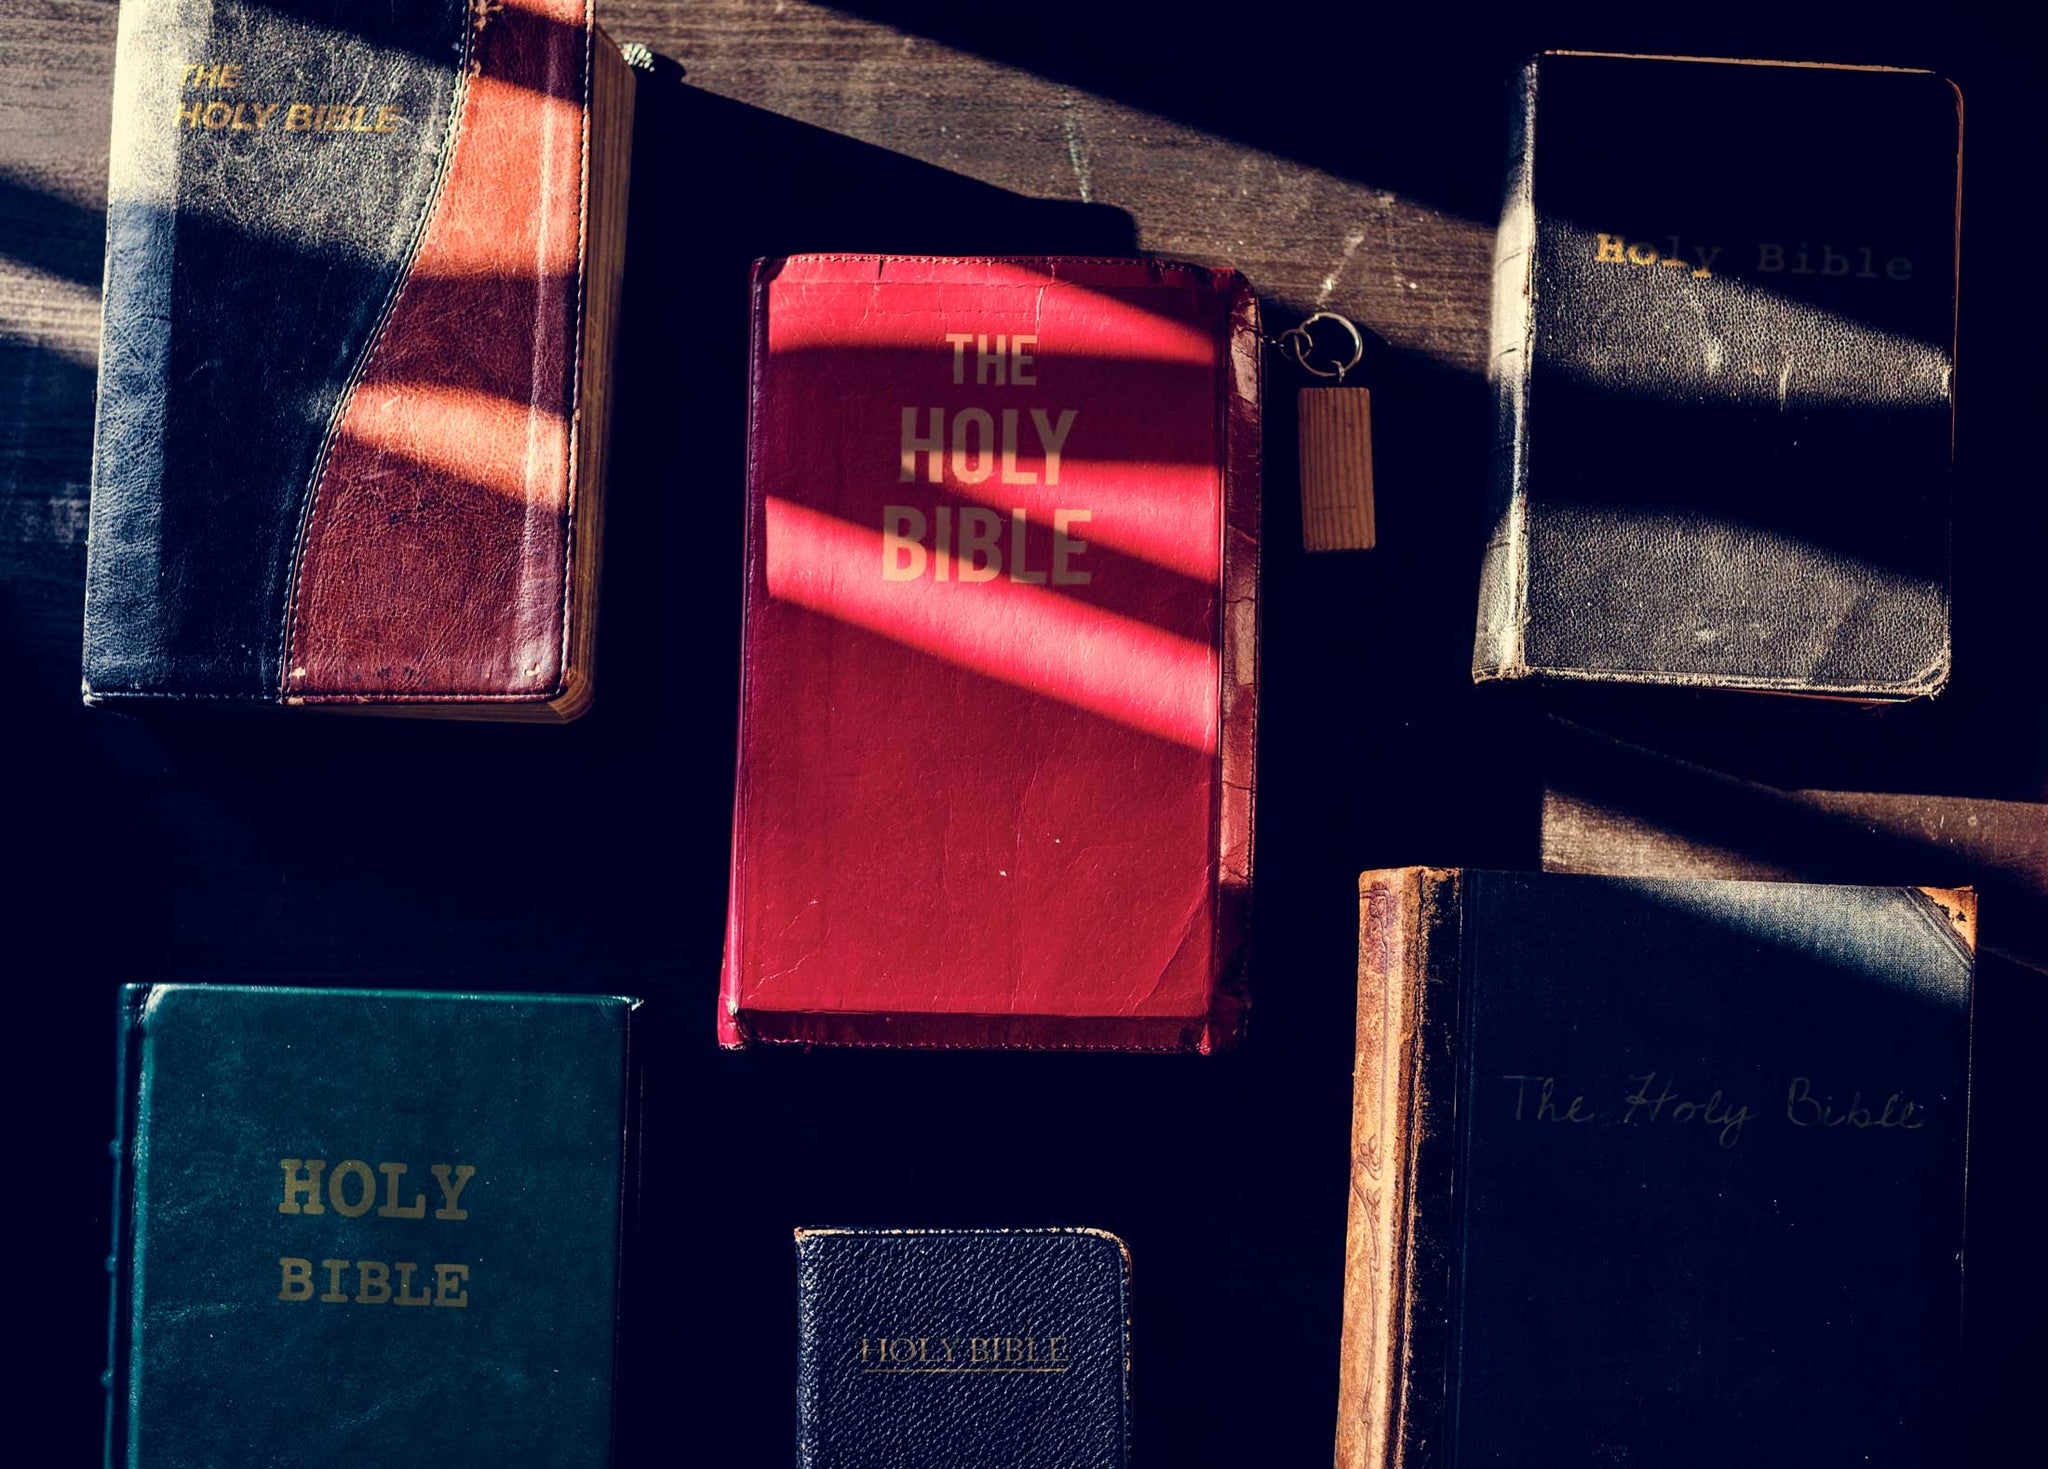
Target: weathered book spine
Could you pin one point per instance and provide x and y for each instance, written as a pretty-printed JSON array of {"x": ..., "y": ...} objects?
[
  {"x": 126, "y": 524},
  {"x": 1397, "y": 1263},
  {"x": 1503, "y": 574},
  {"x": 1241, "y": 396},
  {"x": 121, "y": 1253}
]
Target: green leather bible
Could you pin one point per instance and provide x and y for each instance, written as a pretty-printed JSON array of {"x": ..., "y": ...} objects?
[{"x": 366, "y": 1227}]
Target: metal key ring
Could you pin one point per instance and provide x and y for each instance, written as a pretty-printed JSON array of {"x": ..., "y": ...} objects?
[{"x": 1300, "y": 342}]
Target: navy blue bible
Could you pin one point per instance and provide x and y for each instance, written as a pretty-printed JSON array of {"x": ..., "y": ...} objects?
[
  {"x": 941, "y": 1348},
  {"x": 1666, "y": 1174}
]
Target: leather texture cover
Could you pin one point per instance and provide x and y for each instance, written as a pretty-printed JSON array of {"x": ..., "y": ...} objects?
[
  {"x": 1723, "y": 363},
  {"x": 1659, "y": 1173},
  {"x": 998, "y": 699},
  {"x": 341, "y": 408},
  {"x": 931, "y": 1349},
  {"x": 366, "y": 1227}
]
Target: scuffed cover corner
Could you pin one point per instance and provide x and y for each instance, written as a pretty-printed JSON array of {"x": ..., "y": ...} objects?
[
  {"x": 1390, "y": 1384},
  {"x": 733, "y": 1032},
  {"x": 1237, "y": 749},
  {"x": 1956, "y": 912}
]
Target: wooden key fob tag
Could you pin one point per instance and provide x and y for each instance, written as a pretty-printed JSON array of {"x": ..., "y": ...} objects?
[{"x": 1335, "y": 438}]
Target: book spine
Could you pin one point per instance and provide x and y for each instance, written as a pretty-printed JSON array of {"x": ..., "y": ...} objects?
[
  {"x": 121, "y": 1251},
  {"x": 125, "y": 528},
  {"x": 810, "y": 1401},
  {"x": 608, "y": 132},
  {"x": 628, "y": 1272},
  {"x": 1391, "y": 1386},
  {"x": 735, "y": 1031},
  {"x": 1238, "y": 639},
  {"x": 1498, "y": 650}
]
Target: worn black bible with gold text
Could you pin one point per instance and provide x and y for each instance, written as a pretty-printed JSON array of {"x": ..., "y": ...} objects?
[
  {"x": 1723, "y": 359},
  {"x": 944, "y": 1348},
  {"x": 1655, "y": 1173}
]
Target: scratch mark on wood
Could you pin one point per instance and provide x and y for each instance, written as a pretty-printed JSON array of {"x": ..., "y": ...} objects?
[
  {"x": 1077, "y": 147},
  {"x": 1351, "y": 243}
]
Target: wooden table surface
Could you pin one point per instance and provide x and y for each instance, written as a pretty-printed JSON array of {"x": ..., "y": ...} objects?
[{"x": 1343, "y": 156}]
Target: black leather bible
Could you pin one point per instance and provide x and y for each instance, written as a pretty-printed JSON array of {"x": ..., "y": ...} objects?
[
  {"x": 932, "y": 1349},
  {"x": 1655, "y": 1173},
  {"x": 1723, "y": 354}
]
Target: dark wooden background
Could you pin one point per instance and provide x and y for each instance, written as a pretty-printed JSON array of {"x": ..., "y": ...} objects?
[{"x": 1341, "y": 155}]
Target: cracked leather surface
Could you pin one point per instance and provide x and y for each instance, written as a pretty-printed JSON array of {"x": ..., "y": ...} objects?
[
  {"x": 246, "y": 271},
  {"x": 1001, "y": 1349},
  {"x": 1725, "y": 329},
  {"x": 436, "y": 549}
]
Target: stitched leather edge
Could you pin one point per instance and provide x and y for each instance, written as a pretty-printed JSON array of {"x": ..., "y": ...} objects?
[
  {"x": 573, "y": 451},
  {"x": 458, "y": 107}
]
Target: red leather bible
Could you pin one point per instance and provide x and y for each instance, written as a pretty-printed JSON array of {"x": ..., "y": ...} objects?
[{"x": 998, "y": 693}]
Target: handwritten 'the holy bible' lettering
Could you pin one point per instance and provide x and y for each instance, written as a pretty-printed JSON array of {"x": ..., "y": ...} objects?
[
  {"x": 1657, "y": 1099},
  {"x": 1538, "y": 1097},
  {"x": 1805, "y": 1109}
]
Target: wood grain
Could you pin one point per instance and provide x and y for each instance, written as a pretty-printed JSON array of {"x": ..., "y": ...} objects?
[{"x": 1335, "y": 434}]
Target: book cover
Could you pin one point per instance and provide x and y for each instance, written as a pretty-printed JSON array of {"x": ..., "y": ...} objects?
[
  {"x": 366, "y": 1227},
  {"x": 361, "y": 278},
  {"x": 998, "y": 683},
  {"x": 928, "y": 1349},
  {"x": 1723, "y": 364},
  {"x": 1655, "y": 1172}
]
